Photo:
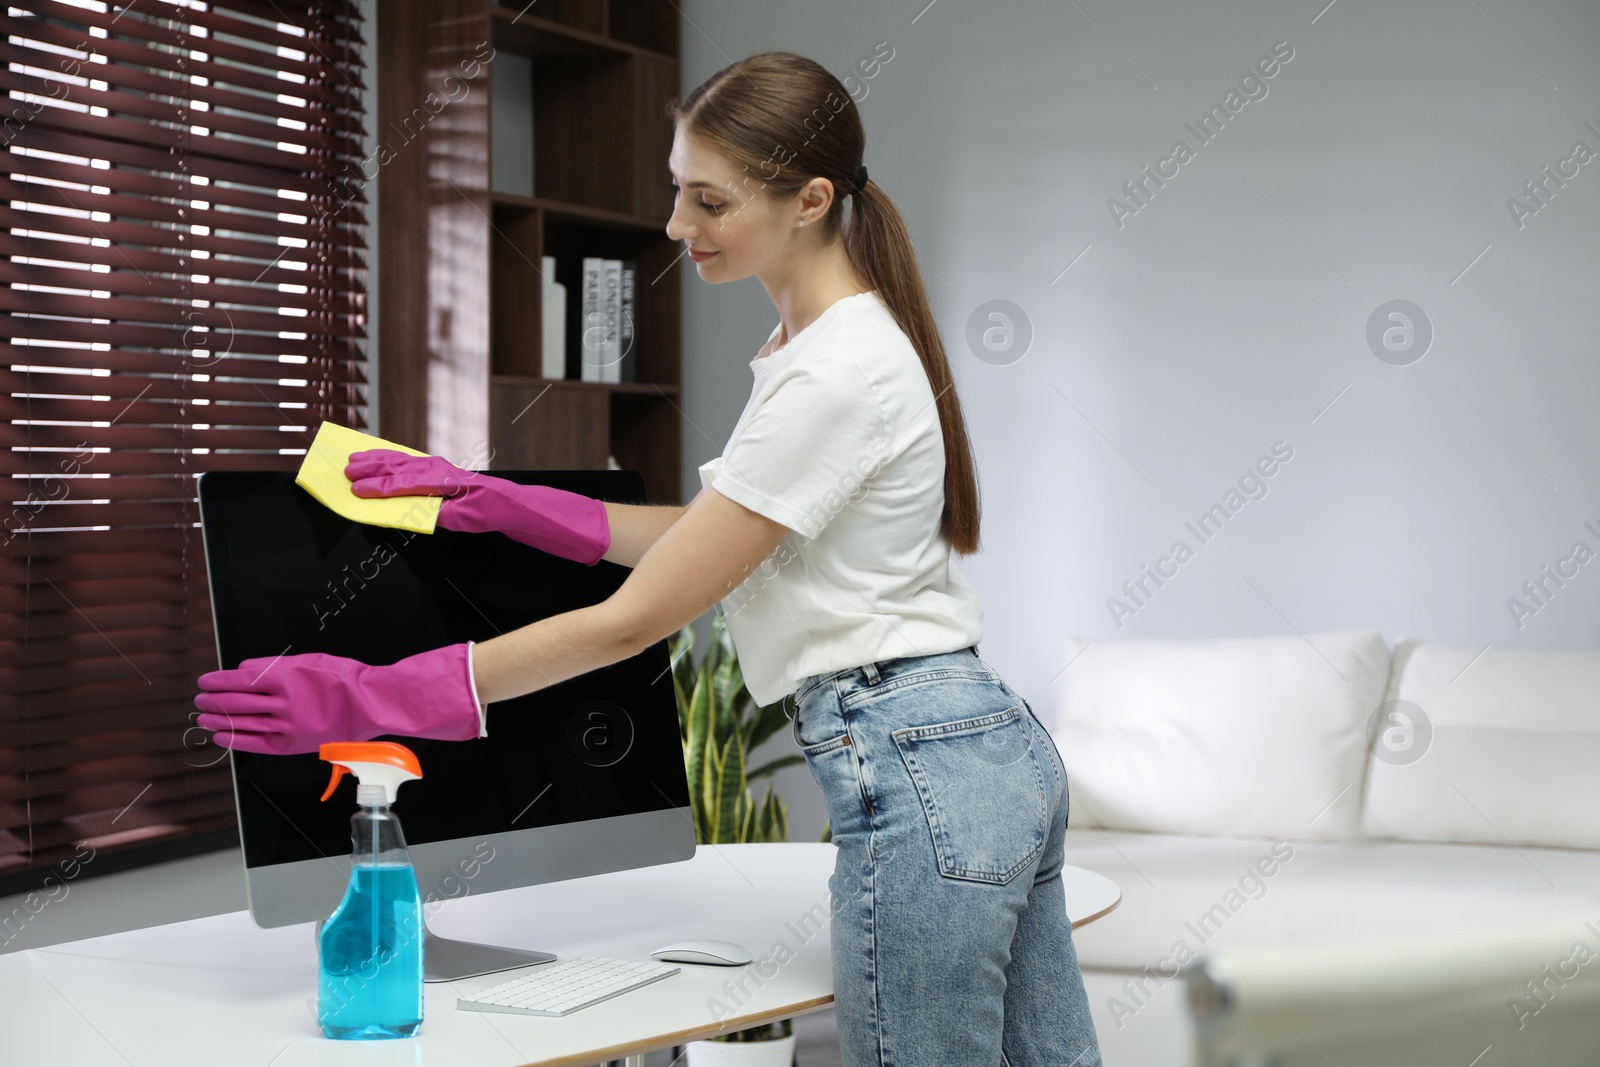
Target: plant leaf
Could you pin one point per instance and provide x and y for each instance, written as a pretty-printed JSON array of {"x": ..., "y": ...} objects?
[
  {"x": 747, "y": 820},
  {"x": 766, "y": 721},
  {"x": 683, "y": 666},
  {"x": 730, "y": 787},
  {"x": 733, "y": 680},
  {"x": 711, "y": 818},
  {"x": 681, "y": 655},
  {"x": 729, "y": 707},
  {"x": 721, "y": 643},
  {"x": 767, "y": 769},
  {"x": 773, "y": 823},
  {"x": 720, "y": 731},
  {"x": 780, "y": 819},
  {"x": 763, "y": 826},
  {"x": 762, "y": 830},
  {"x": 701, "y": 741}
]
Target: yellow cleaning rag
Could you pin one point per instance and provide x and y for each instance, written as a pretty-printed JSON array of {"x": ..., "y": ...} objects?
[{"x": 322, "y": 475}]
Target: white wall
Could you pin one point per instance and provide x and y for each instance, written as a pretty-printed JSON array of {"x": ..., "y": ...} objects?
[{"x": 1230, "y": 311}]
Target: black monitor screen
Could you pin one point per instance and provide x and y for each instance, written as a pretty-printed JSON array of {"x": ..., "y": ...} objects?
[{"x": 288, "y": 576}]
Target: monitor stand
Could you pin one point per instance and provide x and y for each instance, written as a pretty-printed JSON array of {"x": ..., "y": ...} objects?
[{"x": 444, "y": 959}]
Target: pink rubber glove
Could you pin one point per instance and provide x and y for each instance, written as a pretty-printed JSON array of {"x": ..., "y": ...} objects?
[
  {"x": 569, "y": 525},
  {"x": 295, "y": 703}
]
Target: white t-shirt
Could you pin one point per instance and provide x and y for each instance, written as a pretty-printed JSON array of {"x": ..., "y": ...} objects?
[{"x": 840, "y": 442}]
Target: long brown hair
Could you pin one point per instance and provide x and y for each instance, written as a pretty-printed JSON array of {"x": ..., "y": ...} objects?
[{"x": 784, "y": 120}]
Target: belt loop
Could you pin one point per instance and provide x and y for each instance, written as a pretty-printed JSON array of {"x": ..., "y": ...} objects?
[{"x": 871, "y": 670}]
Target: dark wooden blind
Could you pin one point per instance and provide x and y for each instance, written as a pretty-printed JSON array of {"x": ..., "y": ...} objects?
[{"x": 183, "y": 291}]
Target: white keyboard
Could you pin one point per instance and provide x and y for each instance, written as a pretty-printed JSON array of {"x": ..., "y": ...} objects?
[{"x": 562, "y": 987}]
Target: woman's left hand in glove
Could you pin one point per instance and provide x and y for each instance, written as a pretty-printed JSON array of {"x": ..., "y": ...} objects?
[{"x": 569, "y": 525}]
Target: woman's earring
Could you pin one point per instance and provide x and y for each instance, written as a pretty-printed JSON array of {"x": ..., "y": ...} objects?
[{"x": 802, "y": 222}]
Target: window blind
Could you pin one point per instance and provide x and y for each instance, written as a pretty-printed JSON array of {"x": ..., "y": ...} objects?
[{"x": 183, "y": 274}]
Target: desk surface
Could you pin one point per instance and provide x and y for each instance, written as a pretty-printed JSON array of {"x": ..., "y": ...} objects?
[{"x": 222, "y": 990}]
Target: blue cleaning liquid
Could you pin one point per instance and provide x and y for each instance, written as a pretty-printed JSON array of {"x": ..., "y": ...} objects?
[{"x": 370, "y": 970}]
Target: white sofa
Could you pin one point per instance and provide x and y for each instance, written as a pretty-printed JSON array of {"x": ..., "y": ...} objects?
[{"x": 1278, "y": 810}]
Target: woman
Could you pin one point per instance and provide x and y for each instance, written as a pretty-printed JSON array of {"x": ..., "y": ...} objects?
[{"x": 824, "y": 532}]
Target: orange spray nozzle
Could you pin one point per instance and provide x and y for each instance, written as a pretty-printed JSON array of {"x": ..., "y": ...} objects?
[{"x": 384, "y": 763}]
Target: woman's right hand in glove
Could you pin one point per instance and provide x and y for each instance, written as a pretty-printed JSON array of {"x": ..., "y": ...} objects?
[{"x": 569, "y": 525}]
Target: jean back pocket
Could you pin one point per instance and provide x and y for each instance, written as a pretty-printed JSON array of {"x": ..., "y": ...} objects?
[{"x": 983, "y": 792}]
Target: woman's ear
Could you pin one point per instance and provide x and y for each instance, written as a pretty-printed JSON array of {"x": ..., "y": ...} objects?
[{"x": 816, "y": 196}]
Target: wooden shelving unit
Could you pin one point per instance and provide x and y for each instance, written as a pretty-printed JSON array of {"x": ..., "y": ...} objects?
[{"x": 467, "y": 306}]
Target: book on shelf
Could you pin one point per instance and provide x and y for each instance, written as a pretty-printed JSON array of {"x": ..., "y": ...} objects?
[
  {"x": 553, "y": 336},
  {"x": 590, "y": 331},
  {"x": 628, "y": 365},
  {"x": 610, "y": 310},
  {"x": 603, "y": 320}
]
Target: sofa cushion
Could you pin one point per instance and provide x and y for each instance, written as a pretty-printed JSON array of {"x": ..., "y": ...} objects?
[
  {"x": 1500, "y": 748},
  {"x": 1184, "y": 895},
  {"x": 1244, "y": 737}
]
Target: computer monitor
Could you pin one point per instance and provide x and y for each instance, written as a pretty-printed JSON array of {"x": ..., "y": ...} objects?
[{"x": 578, "y": 778}]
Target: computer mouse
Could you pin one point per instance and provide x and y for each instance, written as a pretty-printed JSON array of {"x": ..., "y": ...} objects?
[{"x": 718, "y": 953}]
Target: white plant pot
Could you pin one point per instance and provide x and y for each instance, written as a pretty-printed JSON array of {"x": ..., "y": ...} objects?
[{"x": 778, "y": 1052}]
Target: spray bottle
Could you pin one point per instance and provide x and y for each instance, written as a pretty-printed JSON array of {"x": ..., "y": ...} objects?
[{"x": 370, "y": 948}]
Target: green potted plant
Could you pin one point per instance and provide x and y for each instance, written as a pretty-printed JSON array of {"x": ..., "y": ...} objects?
[{"x": 720, "y": 726}]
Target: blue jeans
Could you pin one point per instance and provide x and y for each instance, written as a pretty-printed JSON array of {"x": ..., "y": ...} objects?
[{"x": 948, "y": 805}]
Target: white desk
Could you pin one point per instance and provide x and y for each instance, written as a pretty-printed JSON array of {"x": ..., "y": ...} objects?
[{"x": 220, "y": 990}]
